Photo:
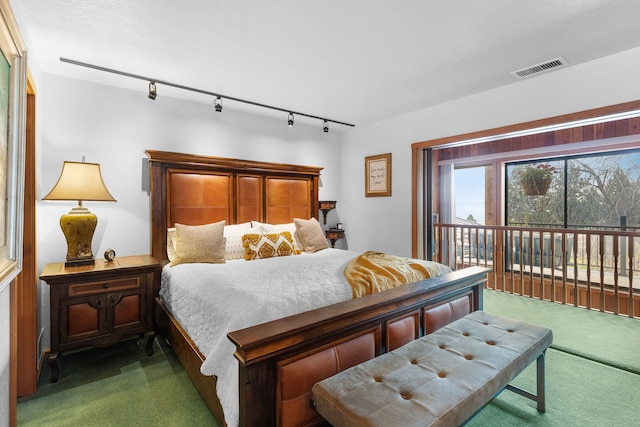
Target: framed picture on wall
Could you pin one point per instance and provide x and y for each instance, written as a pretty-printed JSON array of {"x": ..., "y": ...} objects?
[{"x": 377, "y": 175}]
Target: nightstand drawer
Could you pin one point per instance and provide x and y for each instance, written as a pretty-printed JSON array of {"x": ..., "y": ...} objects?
[{"x": 107, "y": 285}]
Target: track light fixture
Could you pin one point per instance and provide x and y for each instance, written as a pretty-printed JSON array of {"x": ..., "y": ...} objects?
[
  {"x": 325, "y": 127},
  {"x": 217, "y": 102},
  {"x": 152, "y": 91}
]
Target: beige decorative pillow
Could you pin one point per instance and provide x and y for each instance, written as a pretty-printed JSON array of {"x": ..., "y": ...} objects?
[
  {"x": 199, "y": 243},
  {"x": 269, "y": 245},
  {"x": 310, "y": 234}
]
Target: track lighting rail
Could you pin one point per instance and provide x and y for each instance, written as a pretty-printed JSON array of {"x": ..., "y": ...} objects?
[{"x": 192, "y": 89}]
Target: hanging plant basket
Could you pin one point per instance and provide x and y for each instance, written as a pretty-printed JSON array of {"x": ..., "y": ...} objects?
[{"x": 536, "y": 186}]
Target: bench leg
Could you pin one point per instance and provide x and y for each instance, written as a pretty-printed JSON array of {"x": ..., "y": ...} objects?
[
  {"x": 541, "y": 384},
  {"x": 540, "y": 388}
]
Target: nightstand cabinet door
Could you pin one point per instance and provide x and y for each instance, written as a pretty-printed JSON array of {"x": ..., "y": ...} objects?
[
  {"x": 128, "y": 311},
  {"x": 81, "y": 318}
]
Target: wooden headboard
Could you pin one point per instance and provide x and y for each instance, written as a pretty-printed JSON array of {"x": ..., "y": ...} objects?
[{"x": 194, "y": 190}]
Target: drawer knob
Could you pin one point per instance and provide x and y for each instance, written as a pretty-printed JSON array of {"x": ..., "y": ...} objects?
[{"x": 106, "y": 286}]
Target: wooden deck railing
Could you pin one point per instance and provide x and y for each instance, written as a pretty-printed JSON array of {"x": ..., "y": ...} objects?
[{"x": 586, "y": 268}]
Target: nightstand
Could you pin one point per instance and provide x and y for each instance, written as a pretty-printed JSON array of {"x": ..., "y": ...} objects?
[
  {"x": 98, "y": 305},
  {"x": 334, "y": 235}
]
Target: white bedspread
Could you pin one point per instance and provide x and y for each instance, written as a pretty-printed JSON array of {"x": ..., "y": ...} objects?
[{"x": 211, "y": 300}]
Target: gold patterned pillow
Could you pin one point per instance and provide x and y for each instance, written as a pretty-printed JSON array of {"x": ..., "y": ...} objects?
[
  {"x": 279, "y": 228},
  {"x": 268, "y": 245}
]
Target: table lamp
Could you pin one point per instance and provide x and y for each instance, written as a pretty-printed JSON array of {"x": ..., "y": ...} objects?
[{"x": 79, "y": 181}]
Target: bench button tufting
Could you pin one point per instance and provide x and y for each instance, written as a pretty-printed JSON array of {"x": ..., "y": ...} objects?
[
  {"x": 466, "y": 334},
  {"x": 491, "y": 342},
  {"x": 377, "y": 379},
  {"x": 414, "y": 362},
  {"x": 442, "y": 346},
  {"x": 442, "y": 374},
  {"x": 468, "y": 356}
]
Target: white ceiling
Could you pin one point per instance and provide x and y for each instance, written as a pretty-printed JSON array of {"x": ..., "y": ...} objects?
[{"x": 355, "y": 61}]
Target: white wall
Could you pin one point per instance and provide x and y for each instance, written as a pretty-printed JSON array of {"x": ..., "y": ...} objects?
[
  {"x": 384, "y": 223},
  {"x": 114, "y": 127}
]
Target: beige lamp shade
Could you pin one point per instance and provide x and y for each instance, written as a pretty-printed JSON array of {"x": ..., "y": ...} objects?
[{"x": 79, "y": 181}]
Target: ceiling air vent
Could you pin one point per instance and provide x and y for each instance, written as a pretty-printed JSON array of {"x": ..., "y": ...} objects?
[{"x": 539, "y": 68}]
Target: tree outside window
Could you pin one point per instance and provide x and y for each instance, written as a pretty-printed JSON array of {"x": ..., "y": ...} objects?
[{"x": 598, "y": 191}]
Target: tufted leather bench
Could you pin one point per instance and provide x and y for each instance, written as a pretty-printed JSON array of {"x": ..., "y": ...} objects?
[{"x": 441, "y": 379}]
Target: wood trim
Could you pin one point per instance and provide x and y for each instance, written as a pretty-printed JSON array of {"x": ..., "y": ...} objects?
[
  {"x": 415, "y": 163},
  {"x": 612, "y": 129},
  {"x": 27, "y": 279},
  {"x": 13, "y": 352},
  {"x": 31, "y": 87}
]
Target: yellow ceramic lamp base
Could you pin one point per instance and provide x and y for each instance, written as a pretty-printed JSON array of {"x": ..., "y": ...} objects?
[{"x": 78, "y": 227}]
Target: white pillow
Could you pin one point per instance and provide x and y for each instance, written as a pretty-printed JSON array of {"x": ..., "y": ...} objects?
[
  {"x": 234, "y": 245},
  {"x": 233, "y": 227}
]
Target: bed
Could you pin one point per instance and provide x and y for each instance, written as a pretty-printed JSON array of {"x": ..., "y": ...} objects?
[{"x": 281, "y": 353}]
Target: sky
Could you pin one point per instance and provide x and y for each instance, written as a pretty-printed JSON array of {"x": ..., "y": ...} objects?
[{"x": 469, "y": 193}]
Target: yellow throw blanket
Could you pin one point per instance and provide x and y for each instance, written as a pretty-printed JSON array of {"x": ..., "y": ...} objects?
[{"x": 374, "y": 272}]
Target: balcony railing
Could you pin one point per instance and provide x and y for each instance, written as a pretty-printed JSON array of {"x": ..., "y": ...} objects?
[{"x": 594, "y": 269}]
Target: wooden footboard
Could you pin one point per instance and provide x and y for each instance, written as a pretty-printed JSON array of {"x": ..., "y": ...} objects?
[
  {"x": 190, "y": 358},
  {"x": 320, "y": 342}
]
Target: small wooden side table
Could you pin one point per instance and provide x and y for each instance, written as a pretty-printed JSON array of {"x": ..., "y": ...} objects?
[
  {"x": 98, "y": 305},
  {"x": 334, "y": 235}
]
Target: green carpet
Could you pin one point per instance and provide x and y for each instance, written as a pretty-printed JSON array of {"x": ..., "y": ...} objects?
[
  {"x": 601, "y": 337},
  {"x": 117, "y": 386},
  {"x": 592, "y": 370},
  {"x": 579, "y": 393}
]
